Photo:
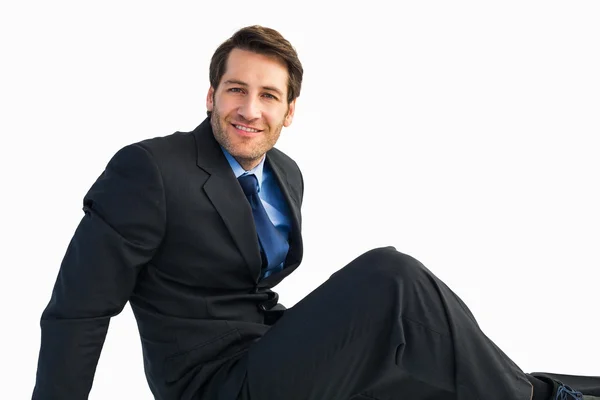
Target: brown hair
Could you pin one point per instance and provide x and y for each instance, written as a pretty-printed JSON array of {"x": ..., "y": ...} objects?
[{"x": 261, "y": 40}]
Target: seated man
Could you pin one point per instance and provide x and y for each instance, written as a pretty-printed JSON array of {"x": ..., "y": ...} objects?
[{"x": 194, "y": 229}]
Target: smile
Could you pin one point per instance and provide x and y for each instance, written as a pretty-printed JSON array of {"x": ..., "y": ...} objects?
[{"x": 246, "y": 129}]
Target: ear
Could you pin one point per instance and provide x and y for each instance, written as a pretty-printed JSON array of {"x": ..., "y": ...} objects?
[
  {"x": 290, "y": 114},
  {"x": 209, "y": 99}
]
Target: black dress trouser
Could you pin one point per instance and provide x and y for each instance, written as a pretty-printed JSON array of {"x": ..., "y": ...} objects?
[{"x": 383, "y": 328}]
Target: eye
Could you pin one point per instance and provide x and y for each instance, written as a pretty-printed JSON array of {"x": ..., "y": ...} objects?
[
  {"x": 270, "y": 96},
  {"x": 235, "y": 90}
]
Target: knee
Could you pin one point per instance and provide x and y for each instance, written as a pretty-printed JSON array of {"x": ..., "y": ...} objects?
[{"x": 389, "y": 264}]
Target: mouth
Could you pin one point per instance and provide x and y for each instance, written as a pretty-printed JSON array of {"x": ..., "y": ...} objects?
[{"x": 247, "y": 131}]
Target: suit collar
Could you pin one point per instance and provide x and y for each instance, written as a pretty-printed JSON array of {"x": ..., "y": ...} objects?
[{"x": 209, "y": 155}]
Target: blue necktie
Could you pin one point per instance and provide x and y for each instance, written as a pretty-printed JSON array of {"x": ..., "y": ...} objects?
[{"x": 274, "y": 246}]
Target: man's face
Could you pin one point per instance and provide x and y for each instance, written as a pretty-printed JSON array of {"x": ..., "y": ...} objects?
[{"x": 249, "y": 107}]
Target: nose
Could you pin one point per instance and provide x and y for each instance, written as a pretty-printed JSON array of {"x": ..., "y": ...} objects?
[{"x": 249, "y": 109}]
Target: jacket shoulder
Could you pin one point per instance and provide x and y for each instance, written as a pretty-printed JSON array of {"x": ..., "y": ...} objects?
[
  {"x": 290, "y": 167},
  {"x": 168, "y": 145},
  {"x": 284, "y": 160}
]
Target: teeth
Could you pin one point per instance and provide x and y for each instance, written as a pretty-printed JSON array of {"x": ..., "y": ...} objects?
[{"x": 243, "y": 128}]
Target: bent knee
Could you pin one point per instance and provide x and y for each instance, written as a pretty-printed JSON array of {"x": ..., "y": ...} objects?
[{"x": 388, "y": 263}]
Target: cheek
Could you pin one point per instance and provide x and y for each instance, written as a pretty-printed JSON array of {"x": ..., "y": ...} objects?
[
  {"x": 225, "y": 107},
  {"x": 274, "y": 119}
]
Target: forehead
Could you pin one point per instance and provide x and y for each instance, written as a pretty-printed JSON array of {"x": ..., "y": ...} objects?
[{"x": 256, "y": 69}]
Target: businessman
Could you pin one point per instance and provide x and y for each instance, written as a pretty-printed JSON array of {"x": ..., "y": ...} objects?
[{"x": 194, "y": 229}]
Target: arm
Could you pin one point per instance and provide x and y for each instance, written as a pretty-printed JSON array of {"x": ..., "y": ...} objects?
[{"x": 123, "y": 225}]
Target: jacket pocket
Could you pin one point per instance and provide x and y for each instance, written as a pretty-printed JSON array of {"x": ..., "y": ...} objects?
[{"x": 219, "y": 347}]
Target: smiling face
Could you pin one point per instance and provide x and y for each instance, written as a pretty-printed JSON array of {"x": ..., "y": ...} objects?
[{"x": 249, "y": 106}]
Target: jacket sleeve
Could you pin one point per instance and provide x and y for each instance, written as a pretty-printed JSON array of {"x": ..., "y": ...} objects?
[{"x": 123, "y": 226}]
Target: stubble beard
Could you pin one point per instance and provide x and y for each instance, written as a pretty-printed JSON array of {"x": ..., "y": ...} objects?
[{"x": 246, "y": 153}]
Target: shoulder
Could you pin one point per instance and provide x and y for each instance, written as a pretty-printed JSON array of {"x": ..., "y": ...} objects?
[
  {"x": 290, "y": 167},
  {"x": 177, "y": 144},
  {"x": 283, "y": 160},
  {"x": 160, "y": 150}
]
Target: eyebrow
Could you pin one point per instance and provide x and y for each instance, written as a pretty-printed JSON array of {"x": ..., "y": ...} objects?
[{"x": 241, "y": 83}]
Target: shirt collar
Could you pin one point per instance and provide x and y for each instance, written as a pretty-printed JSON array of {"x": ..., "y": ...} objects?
[{"x": 239, "y": 171}]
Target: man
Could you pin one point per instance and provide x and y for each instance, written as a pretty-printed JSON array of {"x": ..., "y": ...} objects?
[{"x": 194, "y": 229}]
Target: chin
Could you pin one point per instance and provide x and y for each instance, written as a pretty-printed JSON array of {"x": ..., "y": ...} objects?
[{"x": 246, "y": 155}]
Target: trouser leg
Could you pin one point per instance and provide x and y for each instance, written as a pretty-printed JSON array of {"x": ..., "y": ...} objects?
[
  {"x": 586, "y": 384},
  {"x": 383, "y": 327}
]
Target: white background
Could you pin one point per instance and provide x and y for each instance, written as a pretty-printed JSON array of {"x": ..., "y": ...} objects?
[{"x": 462, "y": 133}]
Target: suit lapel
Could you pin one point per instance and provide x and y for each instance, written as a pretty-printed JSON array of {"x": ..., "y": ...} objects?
[
  {"x": 227, "y": 197},
  {"x": 294, "y": 206}
]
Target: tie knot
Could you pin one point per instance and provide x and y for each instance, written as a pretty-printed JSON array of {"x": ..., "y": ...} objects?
[{"x": 249, "y": 184}]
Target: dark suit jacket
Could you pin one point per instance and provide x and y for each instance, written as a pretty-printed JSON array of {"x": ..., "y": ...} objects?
[{"x": 167, "y": 228}]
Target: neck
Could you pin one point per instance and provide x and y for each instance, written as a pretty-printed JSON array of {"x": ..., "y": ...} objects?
[{"x": 248, "y": 164}]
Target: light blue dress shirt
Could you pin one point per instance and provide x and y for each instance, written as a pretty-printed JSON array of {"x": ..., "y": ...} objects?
[{"x": 269, "y": 193}]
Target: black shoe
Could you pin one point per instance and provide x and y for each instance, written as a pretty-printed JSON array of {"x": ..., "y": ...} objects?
[{"x": 564, "y": 392}]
